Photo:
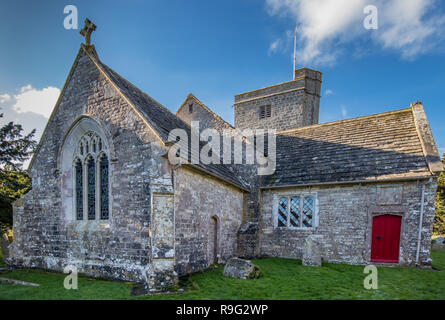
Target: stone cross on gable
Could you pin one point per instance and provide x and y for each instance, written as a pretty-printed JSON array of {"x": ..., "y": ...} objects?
[{"x": 87, "y": 30}]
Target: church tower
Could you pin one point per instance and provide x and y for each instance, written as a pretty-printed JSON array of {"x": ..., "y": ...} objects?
[{"x": 284, "y": 106}]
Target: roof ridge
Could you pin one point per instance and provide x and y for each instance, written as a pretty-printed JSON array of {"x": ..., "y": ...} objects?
[
  {"x": 381, "y": 114},
  {"x": 137, "y": 88}
]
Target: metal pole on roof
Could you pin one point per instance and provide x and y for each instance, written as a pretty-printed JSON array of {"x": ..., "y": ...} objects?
[{"x": 295, "y": 51}]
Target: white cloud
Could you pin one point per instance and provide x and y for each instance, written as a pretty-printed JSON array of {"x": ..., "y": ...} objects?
[
  {"x": 274, "y": 46},
  {"x": 26, "y": 88},
  {"x": 406, "y": 29},
  {"x": 5, "y": 98},
  {"x": 37, "y": 101},
  {"x": 29, "y": 107},
  {"x": 328, "y": 92},
  {"x": 409, "y": 27}
]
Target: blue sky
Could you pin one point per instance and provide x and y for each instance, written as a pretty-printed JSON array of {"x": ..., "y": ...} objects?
[{"x": 216, "y": 49}]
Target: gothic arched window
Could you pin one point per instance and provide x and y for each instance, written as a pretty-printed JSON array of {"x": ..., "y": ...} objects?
[
  {"x": 103, "y": 174},
  {"x": 91, "y": 188},
  {"x": 78, "y": 171},
  {"x": 91, "y": 178}
]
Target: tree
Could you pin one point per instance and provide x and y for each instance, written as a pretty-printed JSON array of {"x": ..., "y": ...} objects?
[
  {"x": 439, "y": 218},
  {"x": 15, "y": 182}
]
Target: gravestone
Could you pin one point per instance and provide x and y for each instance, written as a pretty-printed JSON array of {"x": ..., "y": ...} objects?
[
  {"x": 311, "y": 252},
  {"x": 4, "y": 244},
  {"x": 438, "y": 244},
  {"x": 240, "y": 268}
]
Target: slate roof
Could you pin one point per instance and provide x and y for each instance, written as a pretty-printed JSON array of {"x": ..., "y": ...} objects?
[
  {"x": 163, "y": 121},
  {"x": 391, "y": 145},
  {"x": 371, "y": 148}
]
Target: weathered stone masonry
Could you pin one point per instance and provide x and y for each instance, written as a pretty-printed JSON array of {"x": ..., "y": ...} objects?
[
  {"x": 197, "y": 200},
  {"x": 148, "y": 216},
  {"x": 345, "y": 221},
  {"x": 119, "y": 248},
  {"x": 168, "y": 220},
  {"x": 293, "y": 104}
]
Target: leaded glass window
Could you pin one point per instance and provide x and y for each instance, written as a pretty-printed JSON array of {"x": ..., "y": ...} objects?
[
  {"x": 308, "y": 211},
  {"x": 91, "y": 182},
  {"x": 104, "y": 187},
  {"x": 79, "y": 189},
  {"x": 294, "y": 217},
  {"x": 296, "y": 211},
  {"x": 282, "y": 212},
  {"x": 91, "y": 178}
]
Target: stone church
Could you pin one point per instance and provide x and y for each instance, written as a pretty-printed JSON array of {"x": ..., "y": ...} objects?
[{"x": 107, "y": 200}]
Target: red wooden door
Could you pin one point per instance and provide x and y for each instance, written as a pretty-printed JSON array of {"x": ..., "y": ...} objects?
[{"x": 385, "y": 238}]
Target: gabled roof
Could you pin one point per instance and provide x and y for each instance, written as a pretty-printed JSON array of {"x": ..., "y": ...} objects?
[
  {"x": 217, "y": 118},
  {"x": 372, "y": 148},
  {"x": 162, "y": 121},
  {"x": 159, "y": 117}
]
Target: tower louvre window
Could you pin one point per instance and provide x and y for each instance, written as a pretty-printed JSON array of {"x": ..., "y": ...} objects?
[
  {"x": 265, "y": 111},
  {"x": 191, "y": 107}
]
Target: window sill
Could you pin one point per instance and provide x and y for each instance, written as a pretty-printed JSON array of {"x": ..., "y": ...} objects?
[
  {"x": 297, "y": 228},
  {"x": 89, "y": 225}
]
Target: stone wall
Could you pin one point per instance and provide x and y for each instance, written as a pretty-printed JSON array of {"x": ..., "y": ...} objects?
[
  {"x": 247, "y": 239},
  {"x": 293, "y": 104},
  {"x": 197, "y": 199},
  {"x": 345, "y": 221},
  {"x": 119, "y": 248}
]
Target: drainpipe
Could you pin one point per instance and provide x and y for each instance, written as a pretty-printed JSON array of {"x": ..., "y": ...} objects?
[{"x": 420, "y": 223}]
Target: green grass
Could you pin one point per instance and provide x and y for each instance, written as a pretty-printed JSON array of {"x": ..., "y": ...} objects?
[
  {"x": 438, "y": 259},
  {"x": 281, "y": 279}
]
